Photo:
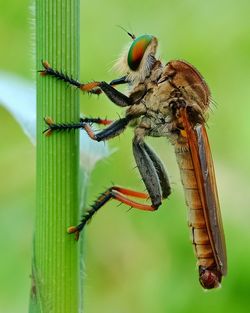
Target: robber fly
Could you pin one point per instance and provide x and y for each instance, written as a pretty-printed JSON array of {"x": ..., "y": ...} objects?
[{"x": 169, "y": 101}]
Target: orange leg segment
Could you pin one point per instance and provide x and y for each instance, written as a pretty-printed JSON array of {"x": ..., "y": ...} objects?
[
  {"x": 117, "y": 193},
  {"x": 130, "y": 192},
  {"x": 136, "y": 205}
]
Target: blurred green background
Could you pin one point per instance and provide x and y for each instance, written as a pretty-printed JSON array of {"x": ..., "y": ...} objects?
[{"x": 137, "y": 261}]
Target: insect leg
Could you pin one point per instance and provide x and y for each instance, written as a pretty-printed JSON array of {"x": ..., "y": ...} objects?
[
  {"x": 69, "y": 126},
  {"x": 93, "y": 87},
  {"x": 115, "y": 129},
  {"x": 115, "y": 96},
  {"x": 161, "y": 172},
  {"x": 119, "y": 81},
  {"x": 148, "y": 172},
  {"x": 117, "y": 193}
]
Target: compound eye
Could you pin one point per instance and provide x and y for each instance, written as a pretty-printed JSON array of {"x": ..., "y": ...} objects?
[{"x": 137, "y": 50}]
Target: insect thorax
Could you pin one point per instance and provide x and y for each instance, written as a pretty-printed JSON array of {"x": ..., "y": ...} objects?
[{"x": 157, "y": 102}]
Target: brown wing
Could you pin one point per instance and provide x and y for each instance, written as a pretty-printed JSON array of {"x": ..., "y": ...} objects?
[{"x": 204, "y": 172}]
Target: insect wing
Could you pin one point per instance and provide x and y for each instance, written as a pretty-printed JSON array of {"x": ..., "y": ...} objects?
[{"x": 205, "y": 175}]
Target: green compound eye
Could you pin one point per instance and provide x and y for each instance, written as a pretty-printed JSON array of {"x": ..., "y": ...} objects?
[{"x": 137, "y": 51}]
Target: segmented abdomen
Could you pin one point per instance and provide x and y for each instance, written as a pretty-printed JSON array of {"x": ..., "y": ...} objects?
[{"x": 196, "y": 219}]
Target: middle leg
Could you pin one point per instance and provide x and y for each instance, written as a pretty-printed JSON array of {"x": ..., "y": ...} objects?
[
  {"x": 113, "y": 130},
  {"x": 151, "y": 169}
]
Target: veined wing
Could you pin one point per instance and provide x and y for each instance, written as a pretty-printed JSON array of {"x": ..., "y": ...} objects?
[{"x": 205, "y": 175}]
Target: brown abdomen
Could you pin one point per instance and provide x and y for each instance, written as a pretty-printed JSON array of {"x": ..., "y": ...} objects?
[{"x": 196, "y": 219}]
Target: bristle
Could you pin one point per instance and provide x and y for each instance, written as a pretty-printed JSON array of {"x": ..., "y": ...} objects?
[{"x": 121, "y": 64}]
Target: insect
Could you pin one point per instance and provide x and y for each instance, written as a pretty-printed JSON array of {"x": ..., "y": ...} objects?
[{"x": 169, "y": 101}]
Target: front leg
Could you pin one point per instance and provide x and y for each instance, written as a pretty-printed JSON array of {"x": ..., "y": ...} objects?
[
  {"x": 119, "y": 81},
  {"x": 94, "y": 87},
  {"x": 114, "y": 95}
]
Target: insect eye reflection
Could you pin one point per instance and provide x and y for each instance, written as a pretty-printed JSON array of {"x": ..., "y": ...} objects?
[{"x": 137, "y": 50}]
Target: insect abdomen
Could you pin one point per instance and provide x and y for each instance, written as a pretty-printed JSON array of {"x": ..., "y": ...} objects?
[{"x": 196, "y": 220}]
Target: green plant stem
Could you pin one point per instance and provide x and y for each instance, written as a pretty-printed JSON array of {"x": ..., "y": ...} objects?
[{"x": 55, "y": 269}]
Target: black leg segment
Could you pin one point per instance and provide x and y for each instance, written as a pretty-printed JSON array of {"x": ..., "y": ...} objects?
[
  {"x": 115, "y": 129},
  {"x": 148, "y": 172},
  {"x": 115, "y": 96},
  {"x": 161, "y": 172},
  {"x": 119, "y": 81}
]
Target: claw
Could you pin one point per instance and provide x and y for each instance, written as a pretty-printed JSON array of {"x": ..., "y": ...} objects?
[
  {"x": 47, "y": 132},
  {"x": 48, "y": 120},
  {"x": 74, "y": 230},
  {"x": 46, "y": 66}
]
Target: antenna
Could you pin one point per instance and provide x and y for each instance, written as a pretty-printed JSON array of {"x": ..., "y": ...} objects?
[{"x": 131, "y": 35}]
